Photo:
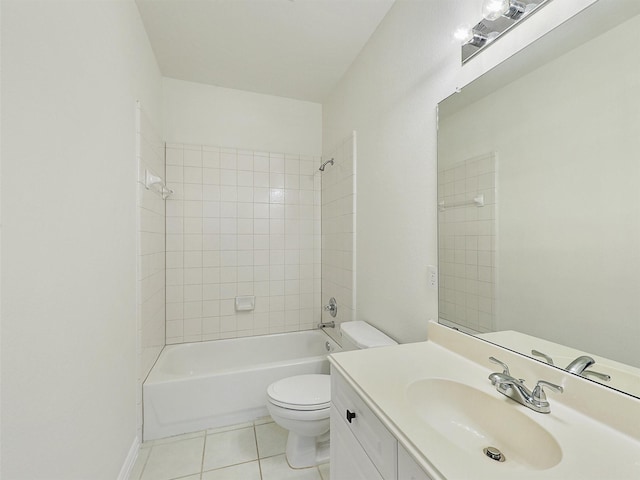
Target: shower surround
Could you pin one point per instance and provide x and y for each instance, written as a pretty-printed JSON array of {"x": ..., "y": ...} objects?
[
  {"x": 339, "y": 230},
  {"x": 241, "y": 222}
]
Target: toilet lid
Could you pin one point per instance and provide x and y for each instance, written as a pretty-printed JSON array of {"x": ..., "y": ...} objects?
[{"x": 302, "y": 392}]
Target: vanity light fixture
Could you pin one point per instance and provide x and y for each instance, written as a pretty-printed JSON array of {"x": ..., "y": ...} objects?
[
  {"x": 494, "y": 9},
  {"x": 499, "y": 16}
]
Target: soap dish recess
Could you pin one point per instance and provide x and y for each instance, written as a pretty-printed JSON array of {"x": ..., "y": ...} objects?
[{"x": 245, "y": 303}]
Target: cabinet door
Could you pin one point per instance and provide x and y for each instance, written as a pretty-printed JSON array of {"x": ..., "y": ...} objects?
[
  {"x": 378, "y": 443},
  {"x": 348, "y": 460},
  {"x": 408, "y": 469}
]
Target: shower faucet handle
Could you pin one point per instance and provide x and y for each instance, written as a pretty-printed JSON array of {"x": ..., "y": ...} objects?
[{"x": 332, "y": 307}]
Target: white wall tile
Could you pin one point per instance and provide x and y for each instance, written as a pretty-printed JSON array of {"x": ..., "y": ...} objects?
[
  {"x": 467, "y": 237},
  {"x": 237, "y": 229},
  {"x": 210, "y": 157},
  {"x": 338, "y": 219}
]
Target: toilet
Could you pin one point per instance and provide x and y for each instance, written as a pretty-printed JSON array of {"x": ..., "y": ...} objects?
[{"x": 301, "y": 404}]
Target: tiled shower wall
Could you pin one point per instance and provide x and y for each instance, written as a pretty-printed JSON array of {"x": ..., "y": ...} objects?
[
  {"x": 338, "y": 230},
  {"x": 151, "y": 252},
  {"x": 241, "y": 223},
  {"x": 466, "y": 244}
]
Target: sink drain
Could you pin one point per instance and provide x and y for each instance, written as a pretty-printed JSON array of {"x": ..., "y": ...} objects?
[{"x": 494, "y": 454}]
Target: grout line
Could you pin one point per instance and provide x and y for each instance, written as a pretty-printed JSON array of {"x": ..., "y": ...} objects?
[
  {"x": 255, "y": 435},
  {"x": 204, "y": 451},
  {"x": 227, "y": 466},
  {"x": 271, "y": 456}
]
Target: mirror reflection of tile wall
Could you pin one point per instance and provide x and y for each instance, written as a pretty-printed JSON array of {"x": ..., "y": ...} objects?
[{"x": 467, "y": 240}]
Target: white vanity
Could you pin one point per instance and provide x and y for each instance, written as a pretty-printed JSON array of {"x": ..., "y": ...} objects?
[
  {"x": 361, "y": 445},
  {"x": 427, "y": 410}
]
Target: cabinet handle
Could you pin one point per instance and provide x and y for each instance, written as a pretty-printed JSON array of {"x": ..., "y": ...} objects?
[{"x": 350, "y": 416}]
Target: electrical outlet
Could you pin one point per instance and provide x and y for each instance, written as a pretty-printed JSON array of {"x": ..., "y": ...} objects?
[{"x": 433, "y": 276}]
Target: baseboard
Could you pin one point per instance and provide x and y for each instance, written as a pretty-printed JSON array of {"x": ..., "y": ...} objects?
[{"x": 130, "y": 461}]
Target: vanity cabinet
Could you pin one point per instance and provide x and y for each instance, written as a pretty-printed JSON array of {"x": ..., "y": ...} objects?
[
  {"x": 349, "y": 461},
  {"x": 361, "y": 446},
  {"x": 408, "y": 469}
]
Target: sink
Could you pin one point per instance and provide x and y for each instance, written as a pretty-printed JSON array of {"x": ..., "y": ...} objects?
[{"x": 473, "y": 420}]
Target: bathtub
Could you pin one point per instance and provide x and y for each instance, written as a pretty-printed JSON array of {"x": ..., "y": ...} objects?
[{"x": 195, "y": 386}]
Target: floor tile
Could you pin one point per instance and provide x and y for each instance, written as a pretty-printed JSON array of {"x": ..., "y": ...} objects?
[
  {"x": 324, "y": 471},
  {"x": 272, "y": 439},
  {"x": 244, "y": 471},
  {"x": 230, "y": 448},
  {"x": 175, "y": 459},
  {"x": 276, "y": 468}
]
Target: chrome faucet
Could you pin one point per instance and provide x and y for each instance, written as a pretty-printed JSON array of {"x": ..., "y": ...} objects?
[
  {"x": 331, "y": 324},
  {"x": 515, "y": 389},
  {"x": 579, "y": 366},
  {"x": 332, "y": 308}
]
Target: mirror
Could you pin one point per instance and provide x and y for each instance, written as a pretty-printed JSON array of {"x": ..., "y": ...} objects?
[{"x": 539, "y": 199}]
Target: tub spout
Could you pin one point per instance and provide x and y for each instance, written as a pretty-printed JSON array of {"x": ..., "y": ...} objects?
[{"x": 331, "y": 324}]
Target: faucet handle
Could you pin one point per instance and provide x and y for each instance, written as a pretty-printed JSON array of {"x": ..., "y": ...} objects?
[
  {"x": 505, "y": 367},
  {"x": 332, "y": 307},
  {"x": 546, "y": 357},
  {"x": 602, "y": 376},
  {"x": 538, "y": 392}
]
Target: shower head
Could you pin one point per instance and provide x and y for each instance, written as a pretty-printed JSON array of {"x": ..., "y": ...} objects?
[{"x": 325, "y": 164}]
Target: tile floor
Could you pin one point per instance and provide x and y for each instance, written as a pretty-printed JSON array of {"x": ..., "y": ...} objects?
[{"x": 249, "y": 451}]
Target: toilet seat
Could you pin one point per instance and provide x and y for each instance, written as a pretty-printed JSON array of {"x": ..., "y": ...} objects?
[{"x": 301, "y": 392}]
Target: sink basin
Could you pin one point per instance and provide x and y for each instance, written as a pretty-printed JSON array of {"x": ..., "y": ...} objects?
[{"x": 473, "y": 420}]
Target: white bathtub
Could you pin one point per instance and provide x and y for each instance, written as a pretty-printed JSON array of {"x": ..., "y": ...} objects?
[{"x": 196, "y": 386}]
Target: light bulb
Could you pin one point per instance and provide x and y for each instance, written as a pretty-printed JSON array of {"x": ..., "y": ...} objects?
[
  {"x": 492, "y": 36},
  {"x": 463, "y": 33},
  {"x": 494, "y": 9}
]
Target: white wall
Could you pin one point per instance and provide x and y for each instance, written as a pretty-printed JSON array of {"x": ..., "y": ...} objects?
[
  {"x": 201, "y": 114},
  {"x": 389, "y": 96},
  {"x": 71, "y": 72}
]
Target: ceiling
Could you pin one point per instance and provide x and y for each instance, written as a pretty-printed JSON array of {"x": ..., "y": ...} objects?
[{"x": 289, "y": 48}]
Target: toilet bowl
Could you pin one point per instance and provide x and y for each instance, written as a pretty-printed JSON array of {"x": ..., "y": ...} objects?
[{"x": 301, "y": 403}]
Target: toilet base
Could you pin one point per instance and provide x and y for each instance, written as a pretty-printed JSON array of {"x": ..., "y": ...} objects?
[{"x": 305, "y": 452}]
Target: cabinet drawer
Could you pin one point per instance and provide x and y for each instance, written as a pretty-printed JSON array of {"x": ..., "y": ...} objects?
[
  {"x": 377, "y": 442},
  {"x": 348, "y": 460}
]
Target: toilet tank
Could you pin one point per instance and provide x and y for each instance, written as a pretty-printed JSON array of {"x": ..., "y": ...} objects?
[{"x": 357, "y": 335}]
